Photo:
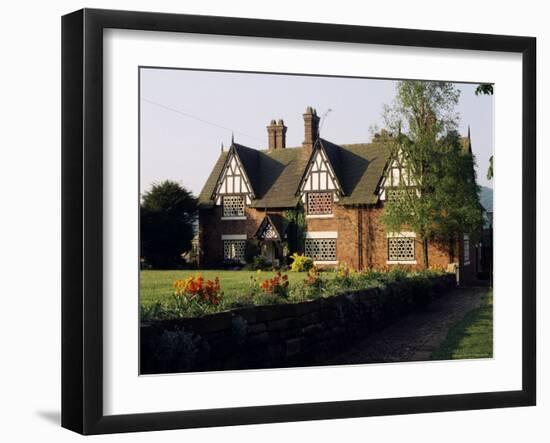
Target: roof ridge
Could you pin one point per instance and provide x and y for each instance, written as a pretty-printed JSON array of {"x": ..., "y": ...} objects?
[{"x": 239, "y": 146}]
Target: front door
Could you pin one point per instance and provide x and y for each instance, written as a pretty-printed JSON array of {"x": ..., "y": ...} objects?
[{"x": 268, "y": 251}]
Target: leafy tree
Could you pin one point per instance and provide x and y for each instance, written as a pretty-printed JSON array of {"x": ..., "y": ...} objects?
[
  {"x": 490, "y": 169},
  {"x": 167, "y": 218},
  {"x": 296, "y": 228},
  {"x": 443, "y": 198},
  {"x": 484, "y": 89}
]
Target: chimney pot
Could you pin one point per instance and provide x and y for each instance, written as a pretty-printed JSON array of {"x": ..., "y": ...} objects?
[{"x": 276, "y": 132}]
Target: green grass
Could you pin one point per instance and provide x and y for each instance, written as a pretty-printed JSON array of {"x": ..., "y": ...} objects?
[
  {"x": 471, "y": 337},
  {"x": 157, "y": 285}
]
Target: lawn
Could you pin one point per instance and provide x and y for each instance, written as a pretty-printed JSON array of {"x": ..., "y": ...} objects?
[
  {"x": 157, "y": 285},
  {"x": 471, "y": 337}
]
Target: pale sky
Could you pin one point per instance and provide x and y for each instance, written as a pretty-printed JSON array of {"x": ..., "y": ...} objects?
[{"x": 186, "y": 115}]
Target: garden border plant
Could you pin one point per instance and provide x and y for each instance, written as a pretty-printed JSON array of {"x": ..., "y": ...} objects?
[{"x": 195, "y": 297}]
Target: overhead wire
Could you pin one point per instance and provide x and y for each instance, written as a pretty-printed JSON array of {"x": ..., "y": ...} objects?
[{"x": 200, "y": 119}]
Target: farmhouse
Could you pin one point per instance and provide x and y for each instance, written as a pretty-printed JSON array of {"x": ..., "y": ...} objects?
[{"x": 322, "y": 197}]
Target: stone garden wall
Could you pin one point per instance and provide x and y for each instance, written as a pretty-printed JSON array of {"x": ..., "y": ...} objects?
[{"x": 298, "y": 334}]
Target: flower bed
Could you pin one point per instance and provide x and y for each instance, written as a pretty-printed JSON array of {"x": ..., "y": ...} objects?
[
  {"x": 287, "y": 334},
  {"x": 196, "y": 296}
]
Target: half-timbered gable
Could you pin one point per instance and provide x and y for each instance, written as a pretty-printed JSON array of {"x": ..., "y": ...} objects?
[
  {"x": 233, "y": 190},
  {"x": 320, "y": 187},
  {"x": 320, "y": 175},
  {"x": 398, "y": 179},
  {"x": 269, "y": 230}
]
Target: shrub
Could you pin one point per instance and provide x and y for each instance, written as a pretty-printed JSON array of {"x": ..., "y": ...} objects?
[
  {"x": 251, "y": 250},
  {"x": 397, "y": 274},
  {"x": 260, "y": 263},
  {"x": 313, "y": 287},
  {"x": 153, "y": 311},
  {"x": 345, "y": 276},
  {"x": 177, "y": 348},
  {"x": 267, "y": 298},
  {"x": 300, "y": 263},
  {"x": 242, "y": 301},
  {"x": 314, "y": 281},
  {"x": 232, "y": 263},
  {"x": 372, "y": 277}
]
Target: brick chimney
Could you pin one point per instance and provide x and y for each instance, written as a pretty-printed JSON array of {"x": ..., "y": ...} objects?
[
  {"x": 311, "y": 128},
  {"x": 276, "y": 132}
]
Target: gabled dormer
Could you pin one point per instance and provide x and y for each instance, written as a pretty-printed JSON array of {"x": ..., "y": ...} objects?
[
  {"x": 233, "y": 189},
  {"x": 398, "y": 179},
  {"x": 319, "y": 187}
]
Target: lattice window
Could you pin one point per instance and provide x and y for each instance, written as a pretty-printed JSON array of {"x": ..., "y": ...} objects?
[
  {"x": 319, "y": 203},
  {"x": 233, "y": 206},
  {"x": 321, "y": 249},
  {"x": 466, "y": 249},
  {"x": 234, "y": 249},
  {"x": 401, "y": 249},
  {"x": 400, "y": 194}
]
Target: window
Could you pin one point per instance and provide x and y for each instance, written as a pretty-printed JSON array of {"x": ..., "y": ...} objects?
[
  {"x": 399, "y": 195},
  {"x": 319, "y": 203},
  {"x": 233, "y": 206},
  {"x": 234, "y": 249},
  {"x": 466, "y": 249},
  {"x": 401, "y": 249},
  {"x": 321, "y": 249}
]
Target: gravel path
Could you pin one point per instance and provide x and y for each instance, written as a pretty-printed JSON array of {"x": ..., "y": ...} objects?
[{"x": 416, "y": 336}]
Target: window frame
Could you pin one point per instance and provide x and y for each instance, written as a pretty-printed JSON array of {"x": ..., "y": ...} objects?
[
  {"x": 233, "y": 217},
  {"x": 316, "y": 239},
  {"x": 466, "y": 256},
  {"x": 233, "y": 240},
  {"x": 322, "y": 215},
  {"x": 401, "y": 235}
]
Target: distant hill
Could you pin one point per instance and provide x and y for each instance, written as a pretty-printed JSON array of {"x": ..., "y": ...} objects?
[{"x": 486, "y": 198}]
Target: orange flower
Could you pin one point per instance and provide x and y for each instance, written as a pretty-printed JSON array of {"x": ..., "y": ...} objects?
[{"x": 194, "y": 288}]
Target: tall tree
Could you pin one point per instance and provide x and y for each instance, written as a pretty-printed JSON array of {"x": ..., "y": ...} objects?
[
  {"x": 442, "y": 197},
  {"x": 167, "y": 220},
  {"x": 484, "y": 89}
]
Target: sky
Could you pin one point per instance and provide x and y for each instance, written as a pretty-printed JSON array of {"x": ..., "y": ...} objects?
[{"x": 186, "y": 115}]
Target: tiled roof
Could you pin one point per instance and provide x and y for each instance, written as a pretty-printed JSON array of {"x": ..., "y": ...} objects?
[
  {"x": 205, "y": 197},
  {"x": 275, "y": 175}
]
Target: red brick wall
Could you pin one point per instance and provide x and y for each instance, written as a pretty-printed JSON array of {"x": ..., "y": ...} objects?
[
  {"x": 212, "y": 227},
  {"x": 376, "y": 247},
  {"x": 362, "y": 239},
  {"x": 344, "y": 222}
]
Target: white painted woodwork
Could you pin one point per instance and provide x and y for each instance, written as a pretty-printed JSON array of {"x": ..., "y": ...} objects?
[
  {"x": 322, "y": 234},
  {"x": 401, "y": 234},
  {"x": 320, "y": 175},
  {"x": 233, "y": 236},
  {"x": 233, "y": 180},
  {"x": 398, "y": 174}
]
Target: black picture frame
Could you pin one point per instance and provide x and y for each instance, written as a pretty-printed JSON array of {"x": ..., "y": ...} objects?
[{"x": 82, "y": 239}]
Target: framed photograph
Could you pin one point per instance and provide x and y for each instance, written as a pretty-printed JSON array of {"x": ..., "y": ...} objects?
[{"x": 269, "y": 221}]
